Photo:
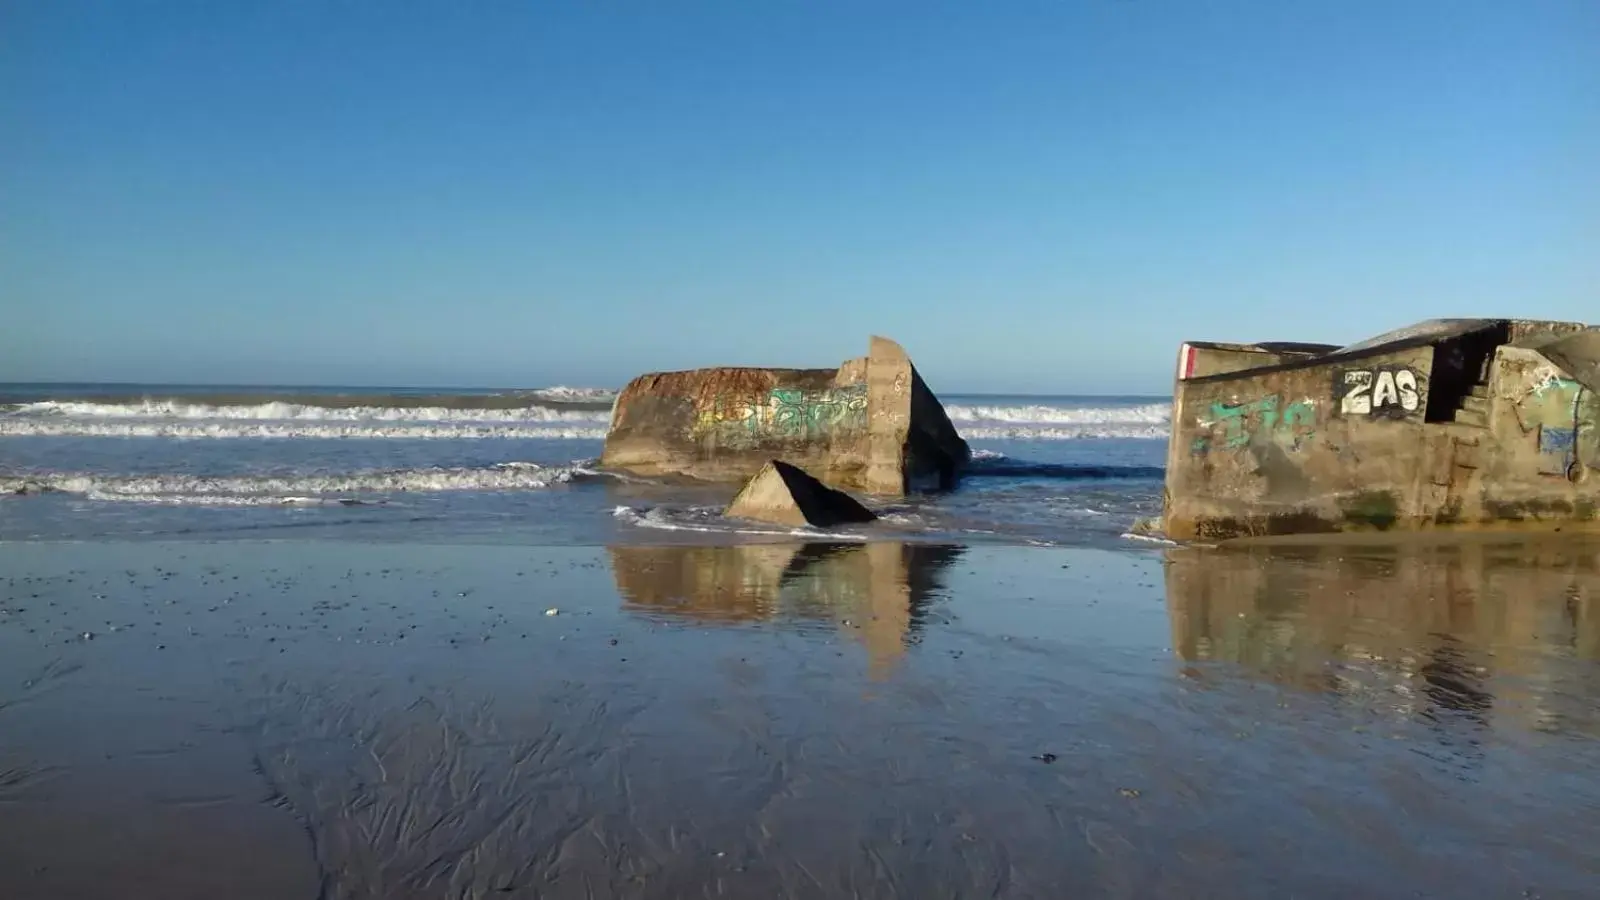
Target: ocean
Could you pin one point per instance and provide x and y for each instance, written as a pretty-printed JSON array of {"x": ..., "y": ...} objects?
[{"x": 88, "y": 461}]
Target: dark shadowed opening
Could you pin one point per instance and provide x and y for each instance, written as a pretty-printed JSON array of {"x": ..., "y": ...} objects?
[{"x": 1459, "y": 364}]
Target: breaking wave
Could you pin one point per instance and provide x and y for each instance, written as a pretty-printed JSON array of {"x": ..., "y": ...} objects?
[
  {"x": 1061, "y": 433},
  {"x": 1044, "y": 414},
  {"x": 709, "y": 520},
  {"x": 564, "y": 394},
  {"x": 458, "y": 430},
  {"x": 559, "y": 412},
  {"x": 1047, "y": 422},
  {"x": 551, "y": 413},
  {"x": 288, "y": 429},
  {"x": 53, "y": 410},
  {"x": 297, "y": 489}
]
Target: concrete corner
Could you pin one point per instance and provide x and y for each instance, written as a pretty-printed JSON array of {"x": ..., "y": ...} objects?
[{"x": 785, "y": 495}]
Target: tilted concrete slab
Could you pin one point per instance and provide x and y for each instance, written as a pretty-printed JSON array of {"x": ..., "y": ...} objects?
[
  {"x": 786, "y": 495},
  {"x": 1577, "y": 354},
  {"x": 1455, "y": 423},
  {"x": 870, "y": 425}
]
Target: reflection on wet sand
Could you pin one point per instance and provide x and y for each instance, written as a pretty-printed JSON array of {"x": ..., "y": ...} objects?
[
  {"x": 874, "y": 591},
  {"x": 1480, "y": 631},
  {"x": 270, "y": 719}
]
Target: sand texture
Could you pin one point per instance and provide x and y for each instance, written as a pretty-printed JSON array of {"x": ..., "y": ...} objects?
[{"x": 304, "y": 719}]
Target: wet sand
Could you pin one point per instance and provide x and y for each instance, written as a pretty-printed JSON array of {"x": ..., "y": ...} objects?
[{"x": 344, "y": 720}]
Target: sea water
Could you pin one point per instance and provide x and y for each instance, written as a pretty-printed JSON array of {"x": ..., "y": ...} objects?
[{"x": 87, "y": 461}]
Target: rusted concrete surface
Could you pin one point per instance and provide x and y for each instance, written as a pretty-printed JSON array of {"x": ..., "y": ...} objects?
[
  {"x": 871, "y": 425},
  {"x": 1456, "y": 423}
]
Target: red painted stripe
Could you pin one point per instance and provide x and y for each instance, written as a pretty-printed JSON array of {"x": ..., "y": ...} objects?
[{"x": 1187, "y": 365}]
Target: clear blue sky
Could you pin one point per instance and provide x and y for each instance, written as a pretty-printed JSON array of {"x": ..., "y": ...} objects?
[{"x": 1031, "y": 196}]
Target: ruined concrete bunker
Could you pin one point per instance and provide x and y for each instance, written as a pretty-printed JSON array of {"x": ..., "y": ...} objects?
[
  {"x": 1449, "y": 423},
  {"x": 871, "y": 425}
]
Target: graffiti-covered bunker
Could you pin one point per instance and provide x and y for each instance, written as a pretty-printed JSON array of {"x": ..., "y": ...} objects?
[
  {"x": 870, "y": 425},
  {"x": 1447, "y": 423}
]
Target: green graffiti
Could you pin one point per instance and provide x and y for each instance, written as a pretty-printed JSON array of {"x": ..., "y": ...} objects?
[
  {"x": 783, "y": 414},
  {"x": 797, "y": 414},
  {"x": 1264, "y": 419},
  {"x": 1562, "y": 385},
  {"x": 1563, "y": 416}
]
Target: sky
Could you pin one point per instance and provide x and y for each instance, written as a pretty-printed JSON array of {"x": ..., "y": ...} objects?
[{"x": 1040, "y": 197}]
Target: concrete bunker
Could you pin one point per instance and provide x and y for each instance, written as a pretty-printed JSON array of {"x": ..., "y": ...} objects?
[
  {"x": 870, "y": 425},
  {"x": 1482, "y": 423}
]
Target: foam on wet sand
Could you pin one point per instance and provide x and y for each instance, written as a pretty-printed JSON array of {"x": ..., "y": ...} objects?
[{"x": 340, "y": 719}]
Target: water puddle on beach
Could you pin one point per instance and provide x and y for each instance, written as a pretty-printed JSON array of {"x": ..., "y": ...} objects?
[{"x": 344, "y": 720}]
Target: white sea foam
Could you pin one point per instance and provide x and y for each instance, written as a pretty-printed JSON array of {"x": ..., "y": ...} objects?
[
  {"x": 1042, "y": 422},
  {"x": 1149, "y": 538},
  {"x": 1042, "y": 414},
  {"x": 269, "y": 429},
  {"x": 230, "y": 500},
  {"x": 708, "y": 520},
  {"x": 1062, "y": 432},
  {"x": 298, "y": 412},
  {"x": 561, "y": 392},
  {"x": 175, "y": 418},
  {"x": 244, "y": 428},
  {"x": 253, "y": 490}
]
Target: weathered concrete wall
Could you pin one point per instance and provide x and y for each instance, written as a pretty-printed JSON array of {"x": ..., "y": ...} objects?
[
  {"x": 870, "y": 425},
  {"x": 1202, "y": 359},
  {"x": 1526, "y": 330},
  {"x": 1538, "y": 462},
  {"x": 724, "y": 424},
  {"x": 933, "y": 452},
  {"x": 1375, "y": 441},
  {"x": 1578, "y": 354},
  {"x": 1314, "y": 447}
]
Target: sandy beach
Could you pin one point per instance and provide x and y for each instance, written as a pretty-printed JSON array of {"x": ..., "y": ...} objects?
[{"x": 341, "y": 720}]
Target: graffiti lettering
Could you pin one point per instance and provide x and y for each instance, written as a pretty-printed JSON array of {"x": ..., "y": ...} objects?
[
  {"x": 1564, "y": 413},
  {"x": 1235, "y": 425},
  {"x": 1551, "y": 381},
  {"x": 1386, "y": 391},
  {"x": 787, "y": 414}
]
